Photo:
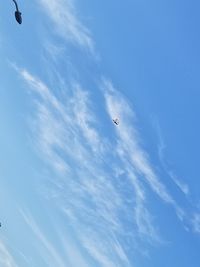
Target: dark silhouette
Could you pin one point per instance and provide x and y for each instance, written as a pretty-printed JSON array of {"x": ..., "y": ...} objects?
[
  {"x": 116, "y": 121},
  {"x": 18, "y": 14}
]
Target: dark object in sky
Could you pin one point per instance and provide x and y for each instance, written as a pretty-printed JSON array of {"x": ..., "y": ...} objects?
[
  {"x": 116, "y": 121},
  {"x": 18, "y": 17},
  {"x": 18, "y": 14}
]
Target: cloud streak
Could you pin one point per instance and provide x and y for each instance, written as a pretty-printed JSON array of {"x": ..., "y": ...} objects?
[
  {"x": 70, "y": 255},
  {"x": 128, "y": 142},
  {"x": 66, "y": 23},
  {"x": 67, "y": 137},
  {"x": 100, "y": 182},
  {"x": 6, "y": 258},
  {"x": 161, "y": 149}
]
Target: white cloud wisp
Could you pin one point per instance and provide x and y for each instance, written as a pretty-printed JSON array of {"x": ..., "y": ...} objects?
[{"x": 63, "y": 15}]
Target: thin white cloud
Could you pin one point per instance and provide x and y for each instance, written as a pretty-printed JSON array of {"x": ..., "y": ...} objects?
[
  {"x": 103, "y": 253},
  {"x": 101, "y": 184},
  {"x": 42, "y": 239},
  {"x": 129, "y": 141},
  {"x": 105, "y": 203},
  {"x": 6, "y": 258},
  {"x": 66, "y": 22},
  {"x": 131, "y": 152},
  {"x": 196, "y": 222},
  {"x": 181, "y": 185},
  {"x": 52, "y": 256},
  {"x": 67, "y": 133},
  {"x": 161, "y": 153}
]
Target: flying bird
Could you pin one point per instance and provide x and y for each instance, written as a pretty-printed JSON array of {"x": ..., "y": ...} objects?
[{"x": 116, "y": 121}]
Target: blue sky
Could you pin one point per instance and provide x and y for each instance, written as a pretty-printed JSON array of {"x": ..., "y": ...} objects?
[{"x": 76, "y": 190}]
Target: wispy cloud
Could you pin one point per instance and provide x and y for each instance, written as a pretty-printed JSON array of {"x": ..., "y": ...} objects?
[
  {"x": 129, "y": 141},
  {"x": 132, "y": 154},
  {"x": 181, "y": 185},
  {"x": 6, "y": 258},
  {"x": 66, "y": 22},
  {"x": 195, "y": 221},
  {"x": 52, "y": 256},
  {"x": 161, "y": 153},
  {"x": 89, "y": 195},
  {"x": 101, "y": 182}
]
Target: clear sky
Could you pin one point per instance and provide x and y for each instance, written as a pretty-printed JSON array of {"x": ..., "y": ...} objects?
[{"x": 75, "y": 189}]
